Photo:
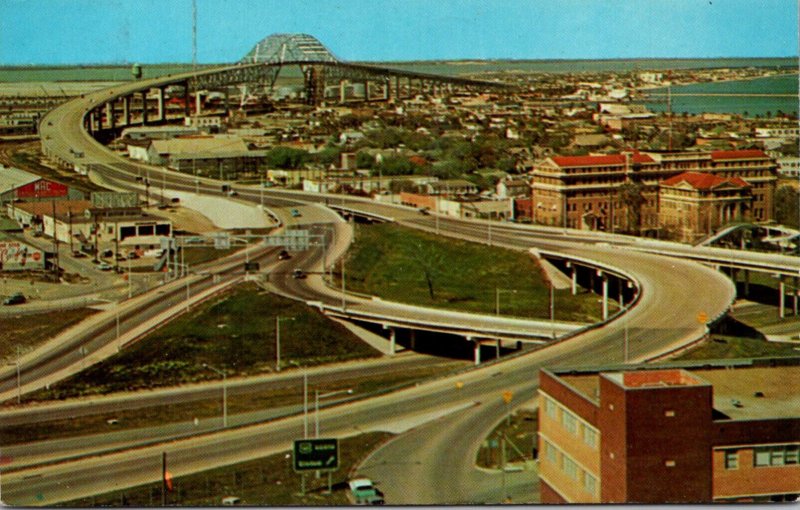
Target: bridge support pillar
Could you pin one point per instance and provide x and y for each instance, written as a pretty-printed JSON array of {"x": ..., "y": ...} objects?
[
  {"x": 98, "y": 115},
  {"x": 574, "y": 280},
  {"x": 186, "y": 99},
  {"x": 794, "y": 294},
  {"x": 498, "y": 346},
  {"x": 392, "y": 341},
  {"x": 412, "y": 337},
  {"x": 397, "y": 94},
  {"x": 343, "y": 91},
  {"x": 162, "y": 111},
  {"x": 746, "y": 282},
  {"x": 126, "y": 110},
  {"x": 198, "y": 103},
  {"x": 605, "y": 297},
  {"x": 144, "y": 108},
  {"x": 366, "y": 91},
  {"x": 476, "y": 349},
  {"x": 112, "y": 122},
  {"x": 781, "y": 298},
  {"x": 386, "y": 91},
  {"x": 227, "y": 102}
]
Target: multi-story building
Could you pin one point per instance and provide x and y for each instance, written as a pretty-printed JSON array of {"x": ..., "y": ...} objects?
[
  {"x": 641, "y": 434},
  {"x": 692, "y": 204},
  {"x": 620, "y": 191}
]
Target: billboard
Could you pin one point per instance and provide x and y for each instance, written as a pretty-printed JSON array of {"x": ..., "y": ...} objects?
[
  {"x": 18, "y": 256},
  {"x": 42, "y": 189}
]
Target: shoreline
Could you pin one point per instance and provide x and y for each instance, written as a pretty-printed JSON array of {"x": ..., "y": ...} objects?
[{"x": 748, "y": 78}]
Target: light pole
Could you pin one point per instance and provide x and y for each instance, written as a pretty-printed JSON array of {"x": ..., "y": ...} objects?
[
  {"x": 224, "y": 393},
  {"x": 278, "y": 340},
  {"x": 317, "y": 396},
  {"x": 305, "y": 398},
  {"x": 552, "y": 312}
]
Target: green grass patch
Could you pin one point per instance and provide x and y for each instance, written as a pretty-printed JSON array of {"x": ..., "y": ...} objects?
[
  {"x": 402, "y": 264},
  {"x": 268, "y": 481},
  {"x": 731, "y": 347},
  {"x": 29, "y": 331},
  {"x": 520, "y": 433},
  {"x": 235, "y": 333}
]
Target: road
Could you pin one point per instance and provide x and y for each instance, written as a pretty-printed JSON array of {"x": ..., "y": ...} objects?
[{"x": 663, "y": 319}]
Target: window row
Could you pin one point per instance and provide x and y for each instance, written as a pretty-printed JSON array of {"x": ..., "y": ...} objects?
[
  {"x": 781, "y": 455},
  {"x": 569, "y": 467},
  {"x": 570, "y": 422}
]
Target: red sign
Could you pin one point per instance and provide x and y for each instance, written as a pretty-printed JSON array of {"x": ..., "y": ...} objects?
[{"x": 42, "y": 189}]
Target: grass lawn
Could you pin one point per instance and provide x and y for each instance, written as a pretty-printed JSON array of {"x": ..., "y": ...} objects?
[
  {"x": 235, "y": 333},
  {"x": 728, "y": 347},
  {"x": 402, "y": 264},
  {"x": 29, "y": 331},
  {"x": 520, "y": 431},
  {"x": 268, "y": 481}
]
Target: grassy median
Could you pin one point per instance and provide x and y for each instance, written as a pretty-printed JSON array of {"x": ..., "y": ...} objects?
[
  {"x": 29, "y": 331},
  {"x": 234, "y": 333},
  {"x": 406, "y": 265}
]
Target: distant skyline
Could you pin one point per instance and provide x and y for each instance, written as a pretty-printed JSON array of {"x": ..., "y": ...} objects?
[{"x": 159, "y": 31}]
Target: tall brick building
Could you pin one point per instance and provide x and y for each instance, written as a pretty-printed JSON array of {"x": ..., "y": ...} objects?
[
  {"x": 587, "y": 192},
  {"x": 669, "y": 435}
]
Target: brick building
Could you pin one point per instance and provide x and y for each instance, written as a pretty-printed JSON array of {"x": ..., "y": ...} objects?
[
  {"x": 693, "y": 204},
  {"x": 587, "y": 192},
  {"x": 670, "y": 435}
]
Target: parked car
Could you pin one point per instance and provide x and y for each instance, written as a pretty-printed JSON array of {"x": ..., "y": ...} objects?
[
  {"x": 15, "y": 299},
  {"x": 78, "y": 254},
  {"x": 284, "y": 255},
  {"x": 104, "y": 266},
  {"x": 364, "y": 492},
  {"x": 230, "y": 501},
  {"x": 299, "y": 274},
  {"x": 295, "y": 213}
]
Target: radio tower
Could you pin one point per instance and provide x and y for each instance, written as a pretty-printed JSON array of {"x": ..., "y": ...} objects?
[{"x": 194, "y": 34}]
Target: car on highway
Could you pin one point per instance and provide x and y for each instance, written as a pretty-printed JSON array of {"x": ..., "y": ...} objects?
[
  {"x": 15, "y": 299},
  {"x": 424, "y": 211},
  {"x": 364, "y": 492},
  {"x": 232, "y": 193},
  {"x": 298, "y": 274},
  {"x": 104, "y": 266},
  {"x": 295, "y": 213},
  {"x": 284, "y": 255},
  {"x": 78, "y": 254}
]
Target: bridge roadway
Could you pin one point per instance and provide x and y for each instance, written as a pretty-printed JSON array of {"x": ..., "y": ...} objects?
[{"x": 663, "y": 319}]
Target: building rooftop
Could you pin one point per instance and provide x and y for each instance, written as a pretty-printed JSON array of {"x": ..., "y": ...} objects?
[
  {"x": 740, "y": 392},
  {"x": 11, "y": 178},
  {"x": 200, "y": 144},
  {"x": 698, "y": 180},
  {"x": 742, "y": 154}
]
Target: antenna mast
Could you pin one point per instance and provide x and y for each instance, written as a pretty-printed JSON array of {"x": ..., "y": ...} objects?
[{"x": 194, "y": 34}]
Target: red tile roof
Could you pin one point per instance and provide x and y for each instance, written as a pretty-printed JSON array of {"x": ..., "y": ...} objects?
[
  {"x": 699, "y": 180},
  {"x": 743, "y": 154},
  {"x": 606, "y": 160}
]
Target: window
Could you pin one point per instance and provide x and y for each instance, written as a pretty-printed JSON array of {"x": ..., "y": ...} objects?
[
  {"x": 780, "y": 455},
  {"x": 589, "y": 483},
  {"x": 550, "y": 407},
  {"x": 551, "y": 453},
  {"x": 570, "y": 468},
  {"x": 732, "y": 459},
  {"x": 590, "y": 437},
  {"x": 569, "y": 421}
]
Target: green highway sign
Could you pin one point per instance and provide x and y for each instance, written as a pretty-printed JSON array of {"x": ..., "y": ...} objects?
[{"x": 316, "y": 454}]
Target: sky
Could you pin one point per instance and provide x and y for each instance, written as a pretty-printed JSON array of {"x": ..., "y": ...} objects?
[{"x": 154, "y": 31}]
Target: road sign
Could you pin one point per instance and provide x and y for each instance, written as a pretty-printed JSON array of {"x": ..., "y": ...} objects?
[
  {"x": 507, "y": 396},
  {"x": 316, "y": 454},
  {"x": 222, "y": 241},
  {"x": 702, "y": 317},
  {"x": 293, "y": 240}
]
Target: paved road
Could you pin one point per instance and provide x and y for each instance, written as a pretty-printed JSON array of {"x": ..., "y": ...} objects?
[{"x": 663, "y": 319}]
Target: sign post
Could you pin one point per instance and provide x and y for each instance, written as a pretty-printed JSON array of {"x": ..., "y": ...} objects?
[{"x": 315, "y": 455}]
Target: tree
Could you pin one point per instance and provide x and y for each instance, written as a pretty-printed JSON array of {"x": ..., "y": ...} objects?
[
  {"x": 430, "y": 262},
  {"x": 631, "y": 197},
  {"x": 787, "y": 206}
]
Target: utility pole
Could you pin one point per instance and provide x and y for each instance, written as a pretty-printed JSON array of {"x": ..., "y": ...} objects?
[{"x": 55, "y": 242}]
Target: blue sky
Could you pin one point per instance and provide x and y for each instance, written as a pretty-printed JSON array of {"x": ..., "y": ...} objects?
[{"x": 151, "y": 31}]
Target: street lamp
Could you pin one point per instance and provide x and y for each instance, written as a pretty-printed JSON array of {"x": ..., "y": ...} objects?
[
  {"x": 317, "y": 397},
  {"x": 224, "y": 393},
  {"x": 278, "y": 340}
]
